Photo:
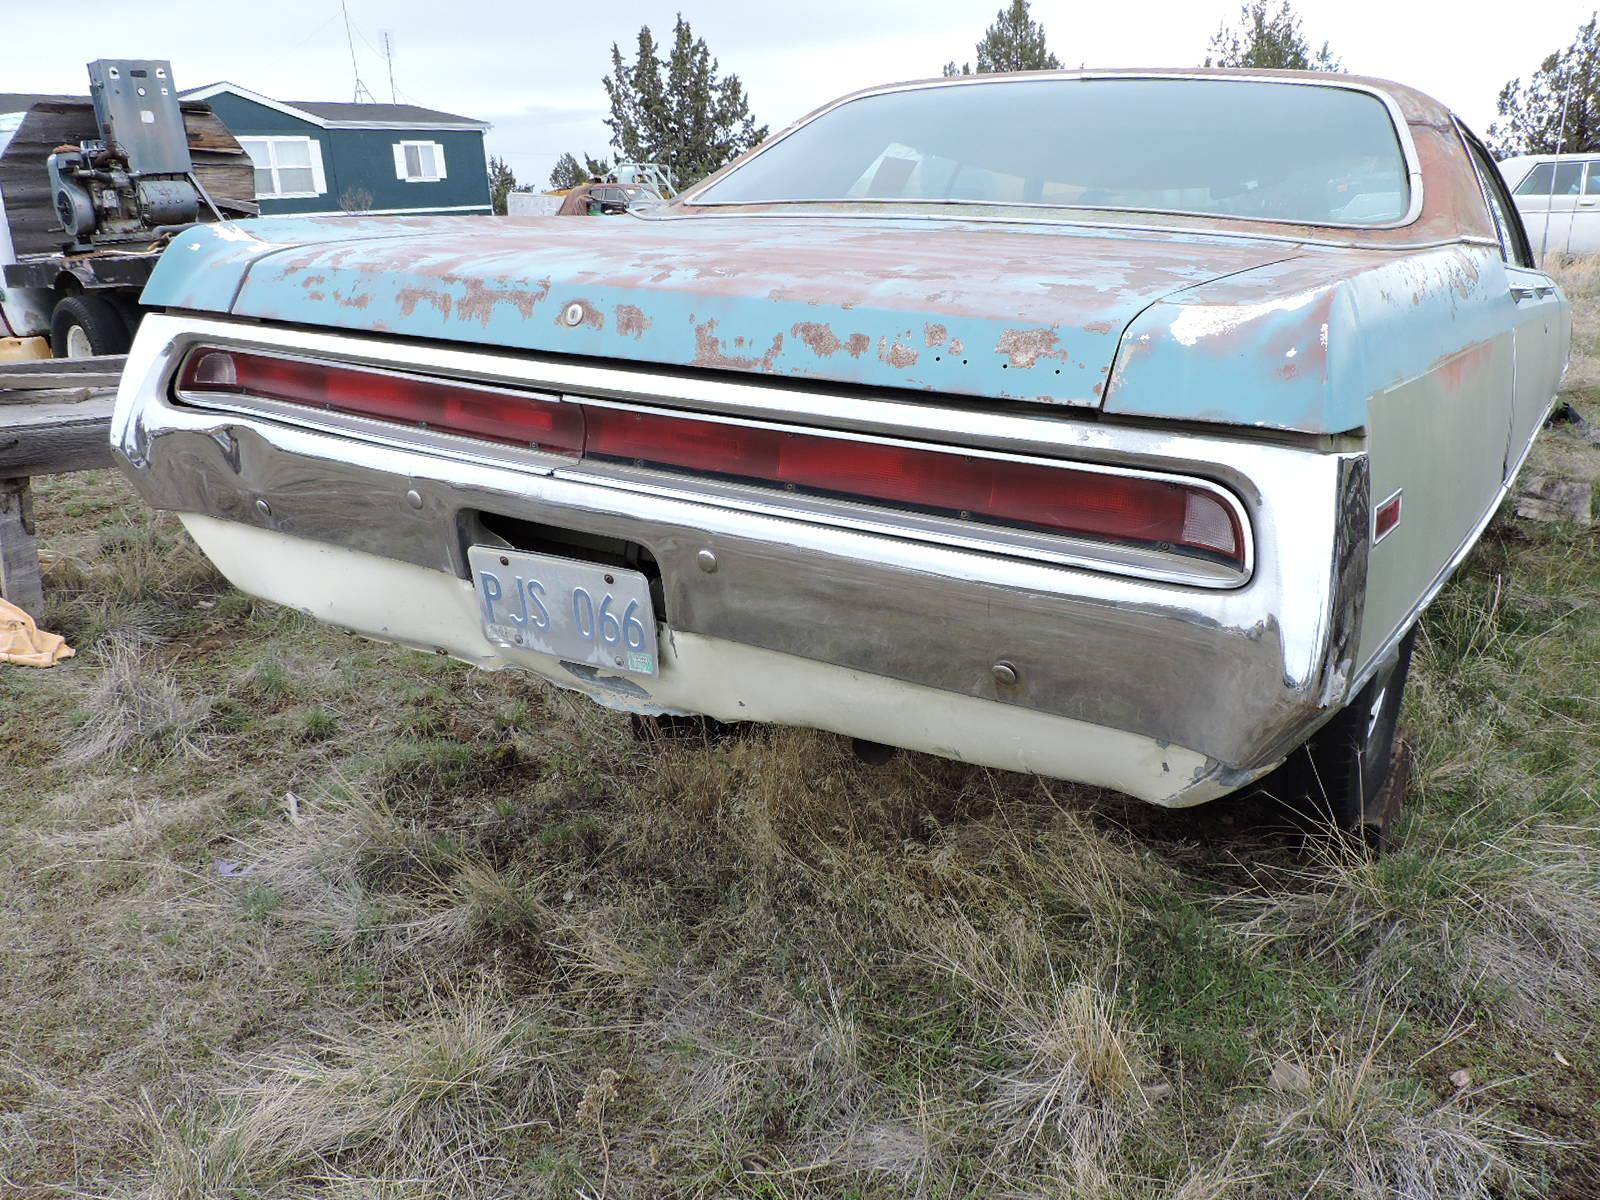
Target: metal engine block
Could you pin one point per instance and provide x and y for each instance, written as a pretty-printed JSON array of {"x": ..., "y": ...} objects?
[{"x": 137, "y": 177}]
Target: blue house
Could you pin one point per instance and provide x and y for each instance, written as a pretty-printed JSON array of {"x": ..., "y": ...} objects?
[{"x": 330, "y": 157}]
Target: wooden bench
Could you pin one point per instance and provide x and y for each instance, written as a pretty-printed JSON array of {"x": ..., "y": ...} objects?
[{"x": 55, "y": 416}]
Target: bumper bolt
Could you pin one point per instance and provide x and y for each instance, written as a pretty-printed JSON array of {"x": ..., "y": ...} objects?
[
  {"x": 263, "y": 508},
  {"x": 414, "y": 498},
  {"x": 1004, "y": 673},
  {"x": 573, "y": 315},
  {"x": 707, "y": 561}
]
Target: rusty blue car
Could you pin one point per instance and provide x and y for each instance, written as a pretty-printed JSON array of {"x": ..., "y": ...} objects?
[{"x": 1112, "y": 426}]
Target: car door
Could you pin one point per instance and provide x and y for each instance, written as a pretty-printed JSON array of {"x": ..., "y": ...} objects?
[
  {"x": 1548, "y": 197},
  {"x": 1584, "y": 237},
  {"x": 1540, "y": 317}
]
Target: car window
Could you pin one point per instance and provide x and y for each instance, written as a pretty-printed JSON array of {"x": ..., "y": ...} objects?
[
  {"x": 1214, "y": 147},
  {"x": 1553, "y": 179},
  {"x": 1537, "y": 182},
  {"x": 1591, "y": 177},
  {"x": 1508, "y": 229}
]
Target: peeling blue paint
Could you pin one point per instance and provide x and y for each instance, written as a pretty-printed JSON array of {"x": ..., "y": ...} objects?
[
  {"x": 1028, "y": 313},
  {"x": 1304, "y": 344}
]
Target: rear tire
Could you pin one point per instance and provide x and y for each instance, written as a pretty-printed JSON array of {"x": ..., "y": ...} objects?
[
  {"x": 1351, "y": 776},
  {"x": 87, "y": 325}
]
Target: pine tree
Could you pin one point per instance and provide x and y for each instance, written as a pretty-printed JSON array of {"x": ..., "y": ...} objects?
[
  {"x": 1015, "y": 42},
  {"x": 1530, "y": 116},
  {"x": 502, "y": 181},
  {"x": 679, "y": 111},
  {"x": 569, "y": 172},
  {"x": 1270, "y": 40}
]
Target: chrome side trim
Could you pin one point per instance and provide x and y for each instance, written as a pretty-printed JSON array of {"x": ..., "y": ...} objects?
[{"x": 1402, "y": 132}]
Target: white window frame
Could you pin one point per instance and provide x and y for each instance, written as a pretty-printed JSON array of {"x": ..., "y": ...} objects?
[
  {"x": 402, "y": 174},
  {"x": 319, "y": 181}
]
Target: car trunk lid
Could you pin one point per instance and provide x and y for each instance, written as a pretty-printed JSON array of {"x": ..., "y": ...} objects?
[{"x": 999, "y": 311}]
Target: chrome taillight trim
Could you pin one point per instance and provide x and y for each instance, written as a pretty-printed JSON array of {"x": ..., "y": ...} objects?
[{"x": 1113, "y": 557}]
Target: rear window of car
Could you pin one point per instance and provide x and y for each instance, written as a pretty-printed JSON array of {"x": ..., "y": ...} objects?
[{"x": 1216, "y": 147}]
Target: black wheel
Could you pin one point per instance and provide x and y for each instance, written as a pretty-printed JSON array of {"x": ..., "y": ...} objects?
[
  {"x": 86, "y": 325},
  {"x": 1351, "y": 776}
]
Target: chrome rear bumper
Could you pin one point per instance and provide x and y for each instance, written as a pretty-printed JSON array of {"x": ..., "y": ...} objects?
[{"x": 1231, "y": 678}]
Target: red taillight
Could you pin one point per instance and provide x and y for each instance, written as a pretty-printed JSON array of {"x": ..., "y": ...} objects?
[
  {"x": 508, "y": 417},
  {"x": 1117, "y": 507},
  {"x": 1124, "y": 508}
]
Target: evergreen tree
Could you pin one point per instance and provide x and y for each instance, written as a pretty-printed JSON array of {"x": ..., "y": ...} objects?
[
  {"x": 1530, "y": 116},
  {"x": 1015, "y": 42},
  {"x": 569, "y": 172},
  {"x": 501, "y": 183},
  {"x": 1270, "y": 40},
  {"x": 678, "y": 111}
]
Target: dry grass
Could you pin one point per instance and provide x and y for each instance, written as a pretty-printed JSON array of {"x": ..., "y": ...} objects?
[
  {"x": 1517, "y": 910},
  {"x": 377, "y": 1103},
  {"x": 1337, "y": 1103},
  {"x": 1580, "y": 280},
  {"x": 137, "y": 707},
  {"x": 286, "y": 914}
]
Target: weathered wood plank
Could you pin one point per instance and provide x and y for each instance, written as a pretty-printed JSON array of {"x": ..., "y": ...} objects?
[
  {"x": 68, "y": 366},
  {"x": 56, "y": 450},
  {"x": 58, "y": 431},
  {"x": 23, "y": 409},
  {"x": 19, "y": 553},
  {"x": 12, "y": 387}
]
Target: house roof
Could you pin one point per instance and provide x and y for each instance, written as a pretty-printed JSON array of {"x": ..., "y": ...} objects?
[
  {"x": 334, "y": 114},
  {"x": 340, "y": 112}
]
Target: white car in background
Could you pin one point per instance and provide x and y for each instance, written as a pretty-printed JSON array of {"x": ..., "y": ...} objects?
[{"x": 1561, "y": 190}]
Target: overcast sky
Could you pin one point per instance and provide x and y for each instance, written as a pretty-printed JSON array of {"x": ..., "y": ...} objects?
[{"x": 533, "y": 68}]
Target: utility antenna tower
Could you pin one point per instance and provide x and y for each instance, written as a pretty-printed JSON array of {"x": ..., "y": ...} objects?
[
  {"x": 349, "y": 38},
  {"x": 388, "y": 54}
]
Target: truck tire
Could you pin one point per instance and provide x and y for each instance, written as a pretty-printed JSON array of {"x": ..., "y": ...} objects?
[
  {"x": 127, "y": 306},
  {"x": 1351, "y": 776},
  {"x": 85, "y": 325}
]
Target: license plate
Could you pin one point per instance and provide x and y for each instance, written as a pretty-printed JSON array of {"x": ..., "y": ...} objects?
[{"x": 577, "y": 611}]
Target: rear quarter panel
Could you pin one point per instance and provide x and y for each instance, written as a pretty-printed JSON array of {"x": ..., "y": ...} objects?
[{"x": 1410, "y": 352}]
